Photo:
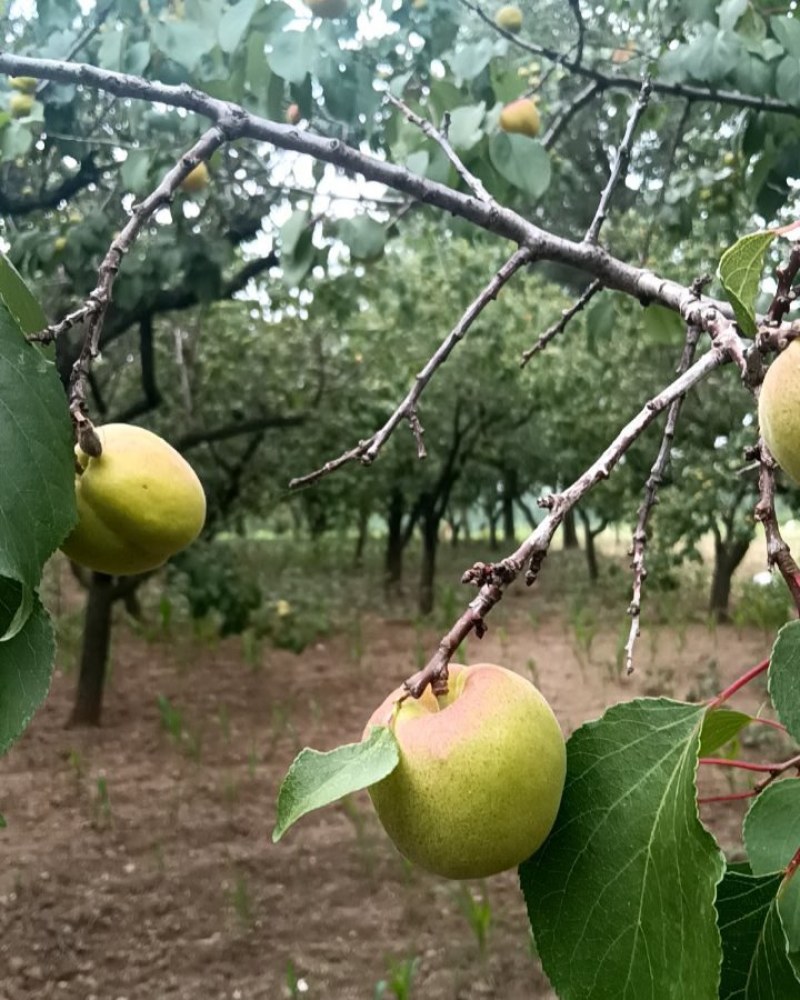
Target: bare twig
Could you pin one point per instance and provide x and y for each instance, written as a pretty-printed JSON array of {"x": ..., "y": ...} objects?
[
  {"x": 575, "y": 7},
  {"x": 93, "y": 311},
  {"x": 778, "y": 551},
  {"x": 441, "y": 140},
  {"x": 493, "y": 579},
  {"x": 553, "y": 331},
  {"x": 367, "y": 451},
  {"x": 589, "y": 92},
  {"x": 785, "y": 294},
  {"x": 621, "y": 160},
  {"x": 671, "y": 155},
  {"x": 654, "y": 480}
]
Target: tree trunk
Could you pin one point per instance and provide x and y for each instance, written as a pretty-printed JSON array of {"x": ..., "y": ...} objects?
[
  {"x": 363, "y": 534},
  {"x": 510, "y": 489},
  {"x": 94, "y": 653},
  {"x": 393, "y": 562},
  {"x": 570, "y": 531},
  {"x": 491, "y": 520},
  {"x": 591, "y": 552},
  {"x": 430, "y": 541},
  {"x": 727, "y": 556}
]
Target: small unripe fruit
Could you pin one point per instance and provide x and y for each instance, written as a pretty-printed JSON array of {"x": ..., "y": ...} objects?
[
  {"x": 196, "y": 180},
  {"x": 59, "y": 243},
  {"x": 480, "y": 776},
  {"x": 327, "y": 8},
  {"x": 293, "y": 114},
  {"x": 779, "y": 410},
  {"x": 27, "y": 84},
  {"x": 521, "y": 116},
  {"x": 509, "y": 18},
  {"x": 20, "y": 104},
  {"x": 139, "y": 502}
]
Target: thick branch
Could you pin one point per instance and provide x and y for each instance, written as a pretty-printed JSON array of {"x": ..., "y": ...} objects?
[
  {"x": 504, "y": 222},
  {"x": 86, "y": 174}
]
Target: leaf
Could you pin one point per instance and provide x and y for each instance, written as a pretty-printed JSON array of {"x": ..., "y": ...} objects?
[
  {"x": 17, "y": 298},
  {"x": 316, "y": 779},
  {"x": 184, "y": 42},
  {"x": 293, "y": 54},
  {"x": 754, "y": 962},
  {"x": 293, "y": 229},
  {"x": 772, "y": 838},
  {"x": 787, "y": 31},
  {"x": 364, "y": 237},
  {"x": 663, "y": 326},
  {"x": 26, "y": 666},
  {"x": 135, "y": 171},
  {"x": 468, "y": 61},
  {"x": 621, "y": 895},
  {"x": 523, "y": 162},
  {"x": 234, "y": 23},
  {"x": 740, "y": 270},
  {"x": 37, "y": 487},
  {"x": 730, "y": 11},
  {"x": 719, "y": 727},
  {"x": 109, "y": 55},
  {"x": 465, "y": 126},
  {"x": 783, "y": 679},
  {"x": 787, "y": 79}
]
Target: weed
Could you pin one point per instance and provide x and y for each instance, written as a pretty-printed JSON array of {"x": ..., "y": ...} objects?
[
  {"x": 242, "y": 901},
  {"x": 478, "y": 912},
  {"x": 400, "y": 979},
  {"x": 102, "y": 805}
]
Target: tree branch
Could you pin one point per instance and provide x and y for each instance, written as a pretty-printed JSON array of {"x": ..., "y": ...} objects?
[
  {"x": 494, "y": 579},
  {"x": 367, "y": 451},
  {"x": 654, "y": 480},
  {"x": 687, "y": 91},
  {"x": 86, "y": 174},
  {"x": 589, "y": 92},
  {"x": 544, "y": 339},
  {"x": 227, "y": 431},
  {"x": 503, "y": 222},
  {"x": 440, "y": 139},
  {"x": 621, "y": 161},
  {"x": 778, "y": 552}
]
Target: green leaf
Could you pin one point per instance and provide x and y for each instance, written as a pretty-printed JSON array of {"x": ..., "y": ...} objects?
[
  {"x": 720, "y": 726},
  {"x": 135, "y": 171},
  {"x": 26, "y": 666},
  {"x": 787, "y": 79},
  {"x": 293, "y": 229},
  {"x": 296, "y": 265},
  {"x": 783, "y": 679},
  {"x": 730, "y": 11},
  {"x": 364, "y": 237},
  {"x": 772, "y": 838},
  {"x": 293, "y": 54},
  {"x": 787, "y": 31},
  {"x": 468, "y": 61},
  {"x": 234, "y": 23},
  {"x": 184, "y": 42},
  {"x": 37, "y": 487},
  {"x": 109, "y": 55},
  {"x": 465, "y": 126},
  {"x": 621, "y": 895},
  {"x": 18, "y": 299},
  {"x": 316, "y": 779},
  {"x": 754, "y": 962},
  {"x": 740, "y": 270},
  {"x": 663, "y": 326},
  {"x": 523, "y": 162}
]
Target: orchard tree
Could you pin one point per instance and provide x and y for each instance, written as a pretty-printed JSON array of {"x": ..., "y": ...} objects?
[{"x": 398, "y": 110}]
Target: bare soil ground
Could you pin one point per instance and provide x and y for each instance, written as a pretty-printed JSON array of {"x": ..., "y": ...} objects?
[{"x": 137, "y": 864}]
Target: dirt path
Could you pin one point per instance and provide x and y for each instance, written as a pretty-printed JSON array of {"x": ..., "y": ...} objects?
[{"x": 138, "y": 865}]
